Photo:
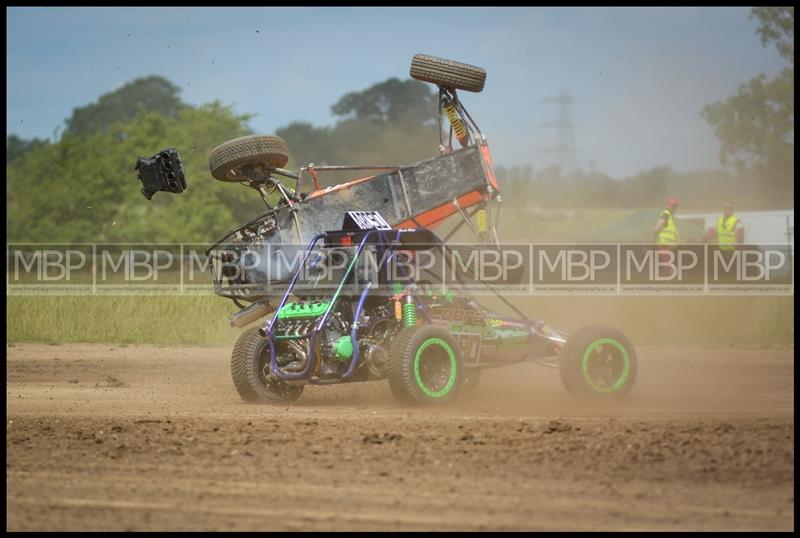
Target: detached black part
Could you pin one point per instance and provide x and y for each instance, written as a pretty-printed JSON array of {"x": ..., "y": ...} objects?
[{"x": 161, "y": 172}]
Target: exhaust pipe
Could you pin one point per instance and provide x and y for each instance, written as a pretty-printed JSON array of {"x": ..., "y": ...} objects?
[{"x": 247, "y": 315}]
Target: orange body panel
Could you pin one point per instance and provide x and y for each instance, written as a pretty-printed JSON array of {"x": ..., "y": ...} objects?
[
  {"x": 435, "y": 216},
  {"x": 487, "y": 158}
]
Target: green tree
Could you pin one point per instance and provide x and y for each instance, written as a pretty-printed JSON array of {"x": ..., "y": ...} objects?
[
  {"x": 406, "y": 102},
  {"x": 148, "y": 94},
  {"x": 84, "y": 188},
  {"x": 308, "y": 143},
  {"x": 392, "y": 122},
  {"x": 16, "y": 146},
  {"x": 776, "y": 25},
  {"x": 646, "y": 189},
  {"x": 756, "y": 126}
]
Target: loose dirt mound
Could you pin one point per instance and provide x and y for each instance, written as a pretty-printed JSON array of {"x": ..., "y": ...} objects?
[{"x": 140, "y": 438}]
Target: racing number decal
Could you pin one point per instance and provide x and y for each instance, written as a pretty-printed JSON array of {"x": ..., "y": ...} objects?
[{"x": 365, "y": 220}]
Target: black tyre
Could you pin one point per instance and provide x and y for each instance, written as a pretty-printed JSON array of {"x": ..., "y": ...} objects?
[
  {"x": 448, "y": 73},
  {"x": 249, "y": 361},
  {"x": 228, "y": 161},
  {"x": 598, "y": 362},
  {"x": 424, "y": 366}
]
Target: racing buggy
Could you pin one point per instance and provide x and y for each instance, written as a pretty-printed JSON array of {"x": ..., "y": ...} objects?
[{"x": 333, "y": 276}]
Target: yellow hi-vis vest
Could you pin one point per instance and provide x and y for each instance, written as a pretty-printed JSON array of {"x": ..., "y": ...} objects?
[
  {"x": 669, "y": 233},
  {"x": 726, "y": 232}
]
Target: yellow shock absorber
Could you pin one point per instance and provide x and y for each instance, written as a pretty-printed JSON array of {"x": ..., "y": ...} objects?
[
  {"x": 482, "y": 219},
  {"x": 455, "y": 122}
]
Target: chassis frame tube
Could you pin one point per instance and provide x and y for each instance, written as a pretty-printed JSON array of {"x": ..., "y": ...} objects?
[{"x": 312, "y": 358}]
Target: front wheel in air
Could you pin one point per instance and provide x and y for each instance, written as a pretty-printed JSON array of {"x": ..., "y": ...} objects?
[
  {"x": 236, "y": 159},
  {"x": 424, "y": 366},
  {"x": 447, "y": 73},
  {"x": 598, "y": 362}
]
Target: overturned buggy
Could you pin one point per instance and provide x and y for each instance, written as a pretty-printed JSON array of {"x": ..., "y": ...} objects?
[{"x": 321, "y": 275}]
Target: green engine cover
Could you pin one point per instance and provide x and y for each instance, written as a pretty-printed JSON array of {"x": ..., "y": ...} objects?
[
  {"x": 343, "y": 348},
  {"x": 303, "y": 310}
]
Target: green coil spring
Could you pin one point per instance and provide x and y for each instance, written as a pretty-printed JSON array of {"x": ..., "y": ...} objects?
[{"x": 409, "y": 314}]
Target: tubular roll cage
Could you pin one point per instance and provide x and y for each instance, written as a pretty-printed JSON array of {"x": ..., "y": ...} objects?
[
  {"x": 448, "y": 97},
  {"x": 311, "y": 360}
]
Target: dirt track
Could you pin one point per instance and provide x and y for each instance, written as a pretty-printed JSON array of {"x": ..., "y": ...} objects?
[{"x": 107, "y": 437}]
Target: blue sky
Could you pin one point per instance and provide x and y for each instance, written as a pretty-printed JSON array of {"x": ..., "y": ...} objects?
[{"x": 640, "y": 76}]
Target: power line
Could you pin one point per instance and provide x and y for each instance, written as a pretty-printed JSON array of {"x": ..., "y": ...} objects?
[{"x": 564, "y": 149}]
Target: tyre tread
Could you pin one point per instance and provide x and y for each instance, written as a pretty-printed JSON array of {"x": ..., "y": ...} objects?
[
  {"x": 245, "y": 378},
  {"x": 271, "y": 150},
  {"x": 448, "y": 73},
  {"x": 572, "y": 356}
]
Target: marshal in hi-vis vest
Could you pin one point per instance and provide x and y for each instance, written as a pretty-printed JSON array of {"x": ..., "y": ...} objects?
[
  {"x": 668, "y": 235},
  {"x": 726, "y": 232}
]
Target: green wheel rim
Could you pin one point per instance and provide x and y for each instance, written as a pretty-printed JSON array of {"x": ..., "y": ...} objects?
[
  {"x": 626, "y": 365},
  {"x": 451, "y": 380}
]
